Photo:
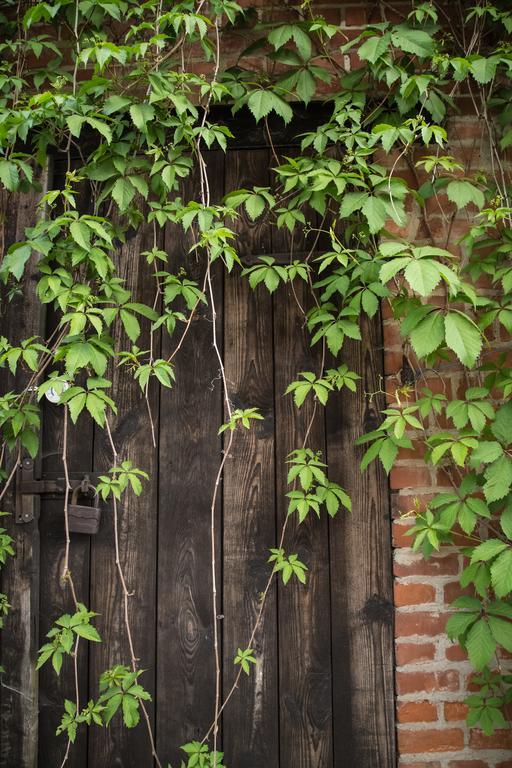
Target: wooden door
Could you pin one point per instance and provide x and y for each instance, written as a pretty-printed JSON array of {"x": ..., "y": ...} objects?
[{"x": 321, "y": 695}]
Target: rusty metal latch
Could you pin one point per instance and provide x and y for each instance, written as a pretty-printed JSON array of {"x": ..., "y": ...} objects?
[{"x": 29, "y": 490}]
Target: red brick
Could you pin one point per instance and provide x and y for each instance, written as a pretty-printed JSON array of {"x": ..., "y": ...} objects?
[
  {"x": 392, "y": 335},
  {"x": 467, "y": 764},
  {"x": 427, "y": 682},
  {"x": 393, "y": 362},
  {"x": 455, "y": 710},
  {"x": 466, "y": 129},
  {"x": 444, "y": 565},
  {"x": 416, "y": 452},
  {"x": 405, "y": 504},
  {"x": 414, "y": 594},
  {"x": 430, "y": 764},
  {"x": 455, "y": 653},
  {"x": 355, "y": 16},
  {"x": 409, "y": 477},
  {"x": 442, "y": 740},
  {"x": 505, "y": 764},
  {"x": 501, "y": 739},
  {"x": 420, "y": 623},
  {"x": 400, "y": 537},
  {"x": 417, "y": 712},
  {"x": 409, "y": 653},
  {"x": 453, "y": 590}
]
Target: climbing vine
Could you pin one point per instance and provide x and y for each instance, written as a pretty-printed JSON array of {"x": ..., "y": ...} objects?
[{"x": 112, "y": 89}]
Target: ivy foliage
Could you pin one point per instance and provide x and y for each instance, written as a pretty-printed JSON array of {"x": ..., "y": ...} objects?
[{"x": 126, "y": 99}]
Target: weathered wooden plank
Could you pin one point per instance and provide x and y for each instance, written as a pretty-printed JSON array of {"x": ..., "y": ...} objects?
[
  {"x": 361, "y": 580},
  {"x": 117, "y": 745},
  {"x": 55, "y": 598},
  {"x": 304, "y": 611},
  {"x": 250, "y": 722},
  {"x": 20, "y": 319},
  {"x": 190, "y": 449}
]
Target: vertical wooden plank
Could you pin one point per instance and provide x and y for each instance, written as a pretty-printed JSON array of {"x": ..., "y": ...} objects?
[
  {"x": 190, "y": 449},
  {"x": 251, "y": 733},
  {"x": 55, "y": 598},
  {"x": 304, "y": 610},
  {"x": 361, "y": 574},
  {"x": 118, "y": 745},
  {"x": 20, "y": 319}
]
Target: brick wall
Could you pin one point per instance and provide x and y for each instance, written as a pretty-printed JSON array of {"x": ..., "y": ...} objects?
[{"x": 432, "y": 674}]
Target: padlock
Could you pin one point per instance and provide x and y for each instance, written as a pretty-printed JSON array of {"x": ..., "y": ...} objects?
[{"x": 83, "y": 518}]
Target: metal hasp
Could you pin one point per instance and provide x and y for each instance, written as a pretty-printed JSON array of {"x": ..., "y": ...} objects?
[
  {"x": 29, "y": 490},
  {"x": 28, "y": 503}
]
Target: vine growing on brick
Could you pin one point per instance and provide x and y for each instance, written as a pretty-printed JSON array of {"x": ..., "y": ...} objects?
[{"x": 116, "y": 85}]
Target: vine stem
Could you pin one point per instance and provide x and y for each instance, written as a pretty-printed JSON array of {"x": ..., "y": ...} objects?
[{"x": 126, "y": 596}]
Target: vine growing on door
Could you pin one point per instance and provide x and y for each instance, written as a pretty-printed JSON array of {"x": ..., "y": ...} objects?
[{"x": 117, "y": 84}]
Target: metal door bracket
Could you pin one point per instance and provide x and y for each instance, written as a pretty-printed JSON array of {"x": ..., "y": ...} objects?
[
  {"x": 28, "y": 502},
  {"x": 29, "y": 489}
]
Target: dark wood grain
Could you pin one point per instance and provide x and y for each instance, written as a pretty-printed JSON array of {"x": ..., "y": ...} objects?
[
  {"x": 190, "y": 449},
  {"x": 117, "y": 745},
  {"x": 250, "y": 721},
  {"x": 55, "y": 598},
  {"x": 20, "y": 319},
  {"x": 361, "y": 580},
  {"x": 304, "y": 610}
]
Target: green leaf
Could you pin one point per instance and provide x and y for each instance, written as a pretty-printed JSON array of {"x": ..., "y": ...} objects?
[
  {"x": 88, "y": 632},
  {"x": 498, "y": 476},
  {"x": 422, "y": 275},
  {"x": 9, "y": 175},
  {"x": 142, "y": 114},
  {"x": 255, "y": 205},
  {"x": 428, "y": 334},
  {"x": 501, "y": 574},
  {"x": 506, "y": 521},
  {"x": 459, "y": 623},
  {"x": 81, "y": 234},
  {"x": 375, "y": 212},
  {"x": 123, "y": 193},
  {"x": 373, "y": 48},
  {"x": 370, "y": 303},
  {"x": 15, "y": 259},
  {"x": 487, "y": 550},
  {"x": 462, "y": 193},
  {"x": 75, "y": 123},
  {"x": 463, "y": 337},
  {"x": 501, "y": 631},
  {"x": 76, "y": 406},
  {"x": 502, "y": 424},
  {"x": 305, "y": 86},
  {"x": 131, "y": 715},
  {"x": 486, "y": 452},
  {"x": 484, "y": 69},
  {"x": 352, "y": 201},
  {"x": 101, "y": 127},
  {"x": 413, "y": 41},
  {"x": 111, "y": 707},
  {"x": 480, "y": 644},
  {"x": 115, "y": 103},
  {"x": 262, "y": 102}
]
